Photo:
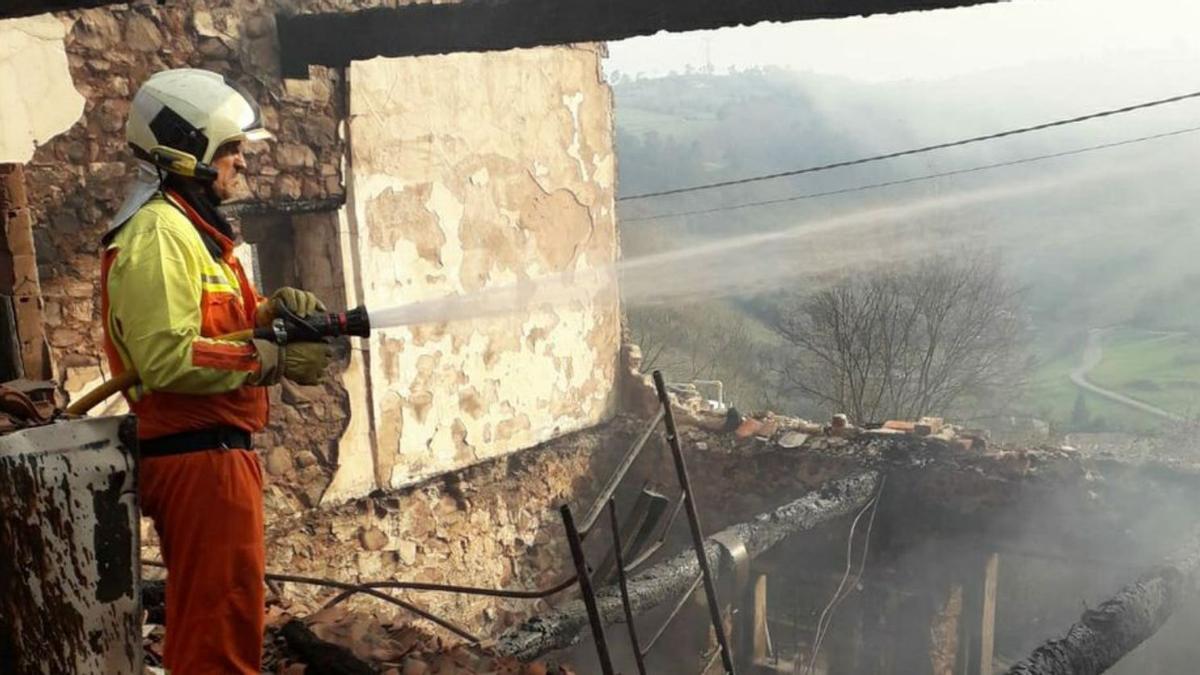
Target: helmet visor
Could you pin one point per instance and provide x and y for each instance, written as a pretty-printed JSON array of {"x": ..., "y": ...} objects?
[
  {"x": 259, "y": 134},
  {"x": 251, "y": 121}
]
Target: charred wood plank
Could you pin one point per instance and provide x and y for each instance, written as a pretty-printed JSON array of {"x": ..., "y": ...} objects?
[
  {"x": 283, "y": 206},
  {"x": 1104, "y": 635},
  {"x": 486, "y": 25},
  {"x": 321, "y": 657},
  {"x": 667, "y": 580}
]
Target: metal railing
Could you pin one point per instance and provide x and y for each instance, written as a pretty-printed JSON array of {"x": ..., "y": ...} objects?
[
  {"x": 584, "y": 577},
  {"x": 686, "y": 502}
]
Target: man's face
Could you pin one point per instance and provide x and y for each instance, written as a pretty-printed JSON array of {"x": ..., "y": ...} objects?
[{"x": 229, "y": 163}]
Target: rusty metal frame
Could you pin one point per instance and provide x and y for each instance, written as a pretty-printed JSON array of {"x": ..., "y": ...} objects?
[
  {"x": 575, "y": 542},
  {"x": 705, "y": 578},
  {"x": 614, "y": 481},
  {"x": 685, "y": 483},
  {"x": 638, "y": 655}
]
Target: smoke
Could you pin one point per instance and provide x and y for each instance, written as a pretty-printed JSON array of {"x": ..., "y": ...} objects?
[{"x": 814, "y": 250}]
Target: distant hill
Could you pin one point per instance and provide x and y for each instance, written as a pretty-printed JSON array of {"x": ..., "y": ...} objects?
[
  {"x": 1107, "y": 238},
  {"x": 1110, "y": 251}
]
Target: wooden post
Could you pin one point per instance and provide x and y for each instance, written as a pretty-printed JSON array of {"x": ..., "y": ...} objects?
[
  {"x": 758, "y": 643},
  {"x": 987, "y": 633},
  {"x": 944, "y": 632},
  {"x": 19, "y": 274}
]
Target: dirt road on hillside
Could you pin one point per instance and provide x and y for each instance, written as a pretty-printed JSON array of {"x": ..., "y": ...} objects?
[{"x": 1093, "y": 354}]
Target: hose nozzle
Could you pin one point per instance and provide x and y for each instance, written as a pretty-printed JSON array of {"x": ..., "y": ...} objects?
[
  {"x": 356, "y": 322},
  {"x": 315, "y": 327}
]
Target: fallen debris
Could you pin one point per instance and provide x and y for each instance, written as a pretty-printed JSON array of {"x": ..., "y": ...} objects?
[
  {"x": 25, "y": 404},
  {"x": 669, "y": 579},
  {"x": 1104, "y": 635},
  {"x": 322, "y": 657},
  {"x": 337, "y": 641}
]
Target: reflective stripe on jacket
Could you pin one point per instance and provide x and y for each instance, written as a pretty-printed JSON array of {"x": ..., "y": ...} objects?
[{"x": 165, "y": 298}]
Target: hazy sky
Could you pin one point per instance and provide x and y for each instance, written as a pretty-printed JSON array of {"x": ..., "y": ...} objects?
[{"x": 1159, "y": 34}]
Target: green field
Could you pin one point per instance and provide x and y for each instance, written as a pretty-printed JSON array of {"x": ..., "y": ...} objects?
[
  {"x": 1051, "y": 396},
  {"x": 1162, "y": 369}
]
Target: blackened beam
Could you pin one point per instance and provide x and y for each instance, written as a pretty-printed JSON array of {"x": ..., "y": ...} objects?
[
  {"x": 336, "y": 39},
  {"x": 669, "y": 579},
  {"x": 1104, "y": 635},
  {"x": 283, "y": 206}
]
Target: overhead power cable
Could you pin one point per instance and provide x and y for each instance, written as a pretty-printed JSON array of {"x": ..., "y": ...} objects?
[
  {"x": 917, "y": 151},
  {"x": 915, "y": 179}
]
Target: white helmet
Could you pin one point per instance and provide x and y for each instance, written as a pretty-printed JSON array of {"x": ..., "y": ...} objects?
[{"x": 180, "y": 117}]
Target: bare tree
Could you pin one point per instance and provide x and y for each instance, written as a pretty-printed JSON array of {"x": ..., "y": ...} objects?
[
  {"x": 688, "y": 342},
  {"x": 701, "y": 342},
  {"x": 904, "y": 342}
]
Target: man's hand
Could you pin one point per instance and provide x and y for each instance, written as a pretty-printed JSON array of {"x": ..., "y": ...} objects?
[
  {"x": 301, "y": 303},
  {"x": 270, "y": 365},
  {"x": 305, "y": 362},
  {"x": 301, "y": 362}
]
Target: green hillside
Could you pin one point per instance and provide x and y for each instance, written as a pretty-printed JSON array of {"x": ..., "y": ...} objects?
[{"x": 1092, "y": 254}]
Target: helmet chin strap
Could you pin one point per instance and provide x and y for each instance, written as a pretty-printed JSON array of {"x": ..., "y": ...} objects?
[{"x": 178, "y": 163}]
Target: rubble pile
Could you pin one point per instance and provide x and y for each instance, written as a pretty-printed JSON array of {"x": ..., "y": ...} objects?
[
  {"x": 390, "y": 647},
  {"x": 362, "y": 642},
  {"x": 767, "y": 428},
  {"x": 750, "y": 463}
]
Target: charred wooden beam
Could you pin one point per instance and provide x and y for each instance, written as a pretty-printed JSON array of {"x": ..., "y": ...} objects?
[
  {"x": 1104, "y": 635},
  {"x": 485, "y": 25},
  {"x": 321, "y": 657},
  {"x": 671, "y": 578},
  {"x": 283, "y": 206}
]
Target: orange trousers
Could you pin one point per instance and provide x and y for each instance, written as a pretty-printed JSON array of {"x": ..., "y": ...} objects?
[{"x": 208, "y": 511}]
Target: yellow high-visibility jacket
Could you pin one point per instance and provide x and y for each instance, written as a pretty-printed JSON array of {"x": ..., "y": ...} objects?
[{"x": 166, "y": 297}]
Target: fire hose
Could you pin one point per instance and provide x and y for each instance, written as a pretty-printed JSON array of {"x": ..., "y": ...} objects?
[{"x": 288, "y": 327}]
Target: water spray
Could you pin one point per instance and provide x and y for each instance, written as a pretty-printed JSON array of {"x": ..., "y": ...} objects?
[{"x": 730, "y": 266}]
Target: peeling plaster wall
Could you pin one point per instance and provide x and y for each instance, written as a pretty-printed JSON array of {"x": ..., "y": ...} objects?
[
  {"x": 470, "y": 171},
  {"x": 33, "y": 62}
]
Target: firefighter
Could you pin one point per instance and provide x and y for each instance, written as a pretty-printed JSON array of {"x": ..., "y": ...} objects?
[{"x": 171, "y": 286}]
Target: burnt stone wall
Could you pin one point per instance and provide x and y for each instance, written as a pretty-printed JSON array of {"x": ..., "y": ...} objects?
[
  {"x": 76, "y": 183},
  {"x": 77, "y": 180}
]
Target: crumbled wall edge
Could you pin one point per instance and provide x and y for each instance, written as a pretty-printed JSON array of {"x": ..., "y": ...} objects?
[{"x": 33, "y": 63}]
